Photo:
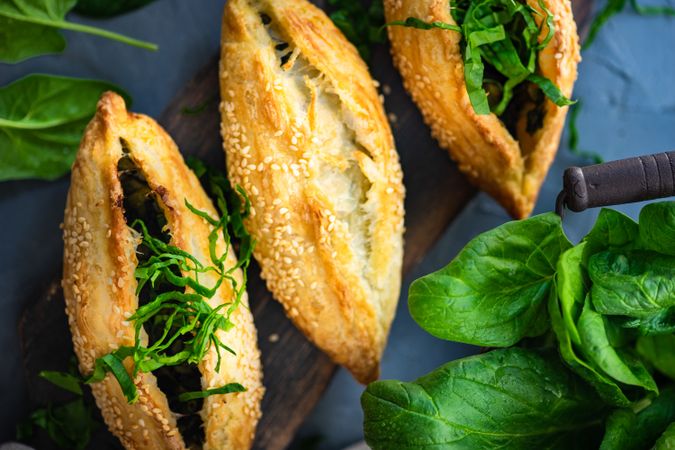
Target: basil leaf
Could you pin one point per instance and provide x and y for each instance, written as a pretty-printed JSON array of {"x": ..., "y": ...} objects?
[
  {"x": 31, "y": 27},
  {"x": 39, "y": 131},
  {"x": 511, "y": 398},
  {"x": 227, "y": 389},
  {"x": 106, "y": 8},
  {"x": 657, "y": 227},
  {"x": 626, "y": 430},
  {"x": 493, "y": 293},
  {"x": 63, "y": 380},
  {"x": 667, "y": 439},
  {"x": 659, "y": 351},
  {"x": 617, "y": 363},
  {"x": 608, "y": 390},
  {"x": 635, "y": 284},
  {"x": 613, "y": 230}
]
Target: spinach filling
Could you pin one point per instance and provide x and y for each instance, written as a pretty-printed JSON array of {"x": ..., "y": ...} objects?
[{"x": 141, "y": 204}]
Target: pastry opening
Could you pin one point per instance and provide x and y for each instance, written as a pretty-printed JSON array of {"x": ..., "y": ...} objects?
[
  {"x": 343, "y": 181},
  {"x": 141, "y": 202}
]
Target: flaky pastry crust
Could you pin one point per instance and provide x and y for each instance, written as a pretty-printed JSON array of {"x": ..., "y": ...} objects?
[
  {"x": 510, "y": 168},
  {"x": 306, "y": 136},
  {"x": 99, "y": 283}
]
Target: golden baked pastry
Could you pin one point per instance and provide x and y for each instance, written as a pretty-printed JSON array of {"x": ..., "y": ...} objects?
[
  {"x": 509, "y": 166},
  {"x": 128, "y": 168},
  {"x": 307, "y": 138}
]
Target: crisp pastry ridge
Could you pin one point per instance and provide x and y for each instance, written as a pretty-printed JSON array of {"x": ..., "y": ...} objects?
[
  {"x": 510, "y": 168},
  {"x": 306, "y": 136},
  {"x": 100, "y": 286}
]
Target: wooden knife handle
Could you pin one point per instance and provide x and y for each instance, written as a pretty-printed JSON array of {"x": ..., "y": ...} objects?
[{"x": 616, "y": 182}]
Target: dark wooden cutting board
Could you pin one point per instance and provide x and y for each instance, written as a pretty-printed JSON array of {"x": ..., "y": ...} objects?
[{"x": 296, "y": 372}]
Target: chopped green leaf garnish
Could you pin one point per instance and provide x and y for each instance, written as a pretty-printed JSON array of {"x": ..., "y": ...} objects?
[
  {"x": 414, "y": 22},
  {"x": 184, "y": 324},
  {"x": 227, "y": 389},
  {"x": 500, "y": 38}
]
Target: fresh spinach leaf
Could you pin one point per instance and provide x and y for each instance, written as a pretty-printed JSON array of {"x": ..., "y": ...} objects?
[
  {"x": 32, "y": 27},
  {"x": 63, "y": 380},
  {"x": 617, "y": 363},
  {"x": 360, "y": 23},
  {"x": 636, "y": 283},
  {"x": 667, "y": 439},
  {"x": 613, "y": 230},
  {"x": 572, "y": 287},
  {"x": 107, "y": 8},
  {"x": 629, "y": 430},
  {"x": 657, "y": 227},
  {"x": 69, "y": 425},
  {"x": 494, "y": 292},
  {"x": 662, "y": 322},
  {"x": 511, "y": 398},
  {"x": 42, "y": 118},
  {"x": 607, "y": 388},
  {"x": 659, "y": 351}
]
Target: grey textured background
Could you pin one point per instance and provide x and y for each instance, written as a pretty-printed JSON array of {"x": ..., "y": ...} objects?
[{"x": 625, "y": 82}]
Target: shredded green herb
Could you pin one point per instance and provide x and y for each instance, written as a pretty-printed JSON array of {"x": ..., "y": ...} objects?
[
  {"x": 227, "y": 389},
  {"x": 361, "y": 24},
  {"x": 500, "y": 47},
  {"x": 189, "y": 325}
]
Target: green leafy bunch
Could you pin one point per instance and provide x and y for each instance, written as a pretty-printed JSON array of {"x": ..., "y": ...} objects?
[
  {"x": 500, "y": 45},
  {"x": 584, "y": 337},
  {"x": 181, "y": 308},
  {"x": 361, "y": 24},
  {"x": 31, "y": 28},
  {"x": 69, "y": 425},
  {"x": 42, "y": 118}
]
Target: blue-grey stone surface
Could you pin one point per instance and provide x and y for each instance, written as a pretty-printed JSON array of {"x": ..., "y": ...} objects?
[{"x": 625, "y": 81}]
